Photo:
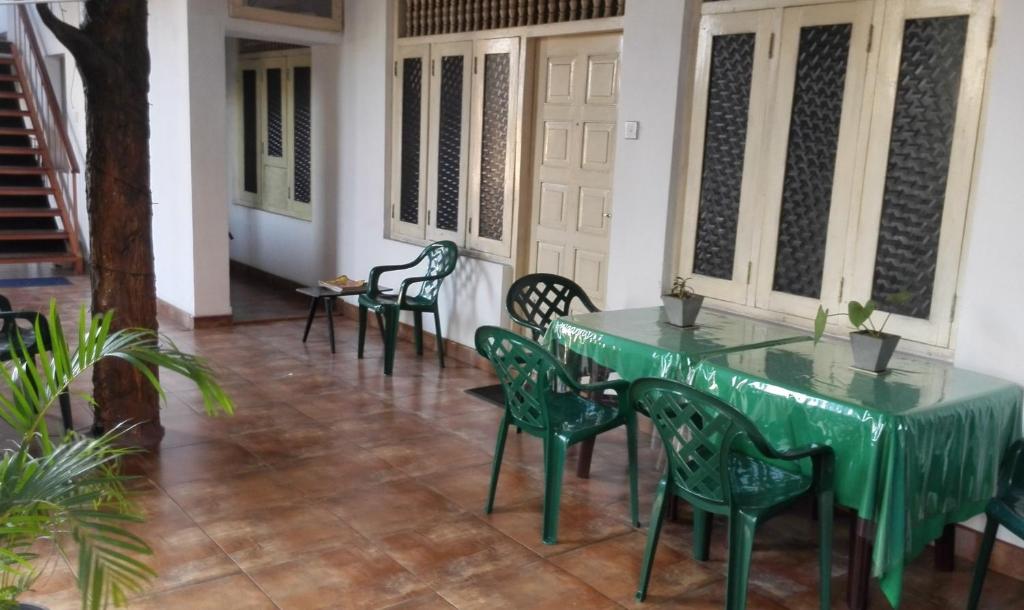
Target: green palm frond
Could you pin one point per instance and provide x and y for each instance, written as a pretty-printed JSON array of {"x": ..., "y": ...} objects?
[{"x": 71, "y": 490}]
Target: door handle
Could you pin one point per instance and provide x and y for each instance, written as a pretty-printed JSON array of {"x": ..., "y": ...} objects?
[{"x": 607, "y": 215}]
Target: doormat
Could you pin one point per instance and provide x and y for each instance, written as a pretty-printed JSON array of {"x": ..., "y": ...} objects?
[
  {"x": 489, "y": 393},
  {"x": 33, "y": 282}
]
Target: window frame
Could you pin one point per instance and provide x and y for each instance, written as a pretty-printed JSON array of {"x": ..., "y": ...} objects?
[
  {"x": 933, "y": 336},
  {"x": 437, "y": 54},
  {"x": 415, "y": 230},
  {"x": 335, "y": 23}
]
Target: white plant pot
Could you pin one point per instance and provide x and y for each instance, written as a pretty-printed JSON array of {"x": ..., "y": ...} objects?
[{"x": 682, "y": 311}]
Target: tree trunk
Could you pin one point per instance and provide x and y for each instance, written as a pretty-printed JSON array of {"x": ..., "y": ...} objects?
[{"x": 112, "y": 53}]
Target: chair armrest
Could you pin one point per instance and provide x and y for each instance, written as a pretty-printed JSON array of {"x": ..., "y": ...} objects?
[
  {"x": 415, "y": 280},
  {"x": 374, "y": 276},
  {"x": 618, "y": 385},
  {"x": 10, "y": 326},
  {"x": 802, "y": 452},
  {"x": 823, "y": 463}
]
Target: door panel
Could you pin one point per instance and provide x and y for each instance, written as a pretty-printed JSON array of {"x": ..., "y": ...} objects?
[
  {"x": 275, "y": 128},
  {"x": 729, "y": 111},
  {"x": 448, "y": 163},
  {"x": 575, "y": 118},
  {"x": 813, "y": 153},
  {"x": 410, "y": 104}
]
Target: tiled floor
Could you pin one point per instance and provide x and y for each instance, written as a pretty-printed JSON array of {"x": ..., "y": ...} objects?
[
  {"x": 335, "y": 487},
  {"x": 255, "y": 300}
]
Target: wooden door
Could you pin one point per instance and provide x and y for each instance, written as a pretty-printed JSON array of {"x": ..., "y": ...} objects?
[
  {"x": 274, "y": 140},
  {"x": 575, "y": 127}
]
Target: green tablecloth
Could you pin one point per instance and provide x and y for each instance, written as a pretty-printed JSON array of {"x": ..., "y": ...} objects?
[
  {"x": 640, "y": 343},
  {"x": 917, "y": 448}
]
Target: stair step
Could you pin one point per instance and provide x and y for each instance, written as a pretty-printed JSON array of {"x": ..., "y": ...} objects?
[
  {"x": 17, "y": 131},
  {"x": 22, "y": 170},
  {"x": 12, "y": 191},
  {"x": 29, "y": 213},
  {"x": 33, "y": 235},
  {"x": 19, "y": 150},
  {"x": 11, "y": 95},
  {"x": 17, "y": 258},
  {"x": 22, "y": 113}
]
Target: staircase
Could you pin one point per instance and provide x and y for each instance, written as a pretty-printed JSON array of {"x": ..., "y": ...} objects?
[{"x": 36, "y": 225}]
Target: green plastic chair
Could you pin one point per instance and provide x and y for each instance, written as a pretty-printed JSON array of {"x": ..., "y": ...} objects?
[
  {"x": 1006, "y": 509},
  {"x": 529, "y": 374},
  {"x": 703, "y": 437},
  {"x": 11, "y": 335},
  {"x": 416, "y": 294}
]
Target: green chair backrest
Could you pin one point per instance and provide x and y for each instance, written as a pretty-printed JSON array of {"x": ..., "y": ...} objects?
[
  {"x": 699, "y": 432},
  {"x": 527, "y": 373},
  {"x": 536, "y": 299},
  {"x": 441, "y": 258}
]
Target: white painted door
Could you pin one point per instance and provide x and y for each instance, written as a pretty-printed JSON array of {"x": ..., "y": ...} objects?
[
  {"x": 575, "y": 112},
  {"x": 274, "y": 141}
]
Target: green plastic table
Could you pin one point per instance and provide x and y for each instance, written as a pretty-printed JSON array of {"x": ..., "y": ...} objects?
[{"x": 917, "y": 448}]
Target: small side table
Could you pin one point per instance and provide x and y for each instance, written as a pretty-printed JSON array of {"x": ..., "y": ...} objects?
[{"x": 317, "y": 294}]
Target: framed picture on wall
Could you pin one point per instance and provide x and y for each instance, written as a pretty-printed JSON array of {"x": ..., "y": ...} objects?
[{"x": 315, "y": 14}]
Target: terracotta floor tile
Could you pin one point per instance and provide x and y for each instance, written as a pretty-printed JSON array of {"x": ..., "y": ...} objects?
[
  {"x": 340, "y": 471},
  {"x": 277, "y": 534},
  {"x": 385, "y": 427},
  {"x": 393, "y": 506},
  {"x": 468, "y": 486},
  {"x": 207, "y": 500},
  {"x": 298, "y": 440},
  {"x": 451, "y": 551},
  {"x": 428, "y": 454},
  {"x": 236, "y": 592},
  {"x": 538, "y": 586},
  {"x": 211, "y": 460},
  {"x": 431, "y": 601},
  {"x": 613, "y": 567},
  {"x": 579, "y": 524},
  {"x": 352, "y": 576}
]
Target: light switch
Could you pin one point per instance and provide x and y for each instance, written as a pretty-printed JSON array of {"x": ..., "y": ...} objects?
[{"x": 632, "y": 128}]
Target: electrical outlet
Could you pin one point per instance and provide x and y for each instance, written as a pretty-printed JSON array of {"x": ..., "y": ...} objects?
[{"x": 632, "y": 129}]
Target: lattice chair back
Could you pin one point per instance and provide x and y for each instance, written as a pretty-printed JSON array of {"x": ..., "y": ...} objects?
[
  {"x": 527, "y": 373},
  {"x": 698, "y": 432},
  {"x": 441, "y": 258},
  {"x": 535, "y": 300}
]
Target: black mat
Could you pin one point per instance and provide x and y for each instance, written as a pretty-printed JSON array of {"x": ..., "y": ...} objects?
[{"x": 490, "y": 393}]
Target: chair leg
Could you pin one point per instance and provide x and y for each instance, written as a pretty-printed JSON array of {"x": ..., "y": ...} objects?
[
  {"x": 390, "y": 338},
  {"x": 499, "y": 451},
  {"x": 65, "y": 411},
  {"x": 741, "y": 550},
  {"x": 380, "y": 325},
  {"x": 702, "y": 523},
  {"x": 554, "y": 465},
  {"x": 653, "y": 532},
  {"x": 585, "y": 457},
  {"x": 825, "y": 500},
  {"x": 439, "y": 338},
  {"x": 417, "y": 318},
  {"x": 981, "y": 567},
  {"x": 634, "y": 486},
  {"x": 362, "y": 330}
]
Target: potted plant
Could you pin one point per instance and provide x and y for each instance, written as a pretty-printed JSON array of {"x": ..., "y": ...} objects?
[
  {"x": 682, "y": 304},
  {"x": 68, "y": 491},
  {"x": 872, "y": 346}
]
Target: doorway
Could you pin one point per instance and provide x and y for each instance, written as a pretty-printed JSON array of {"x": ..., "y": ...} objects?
[{"x": 573, "y": 161}]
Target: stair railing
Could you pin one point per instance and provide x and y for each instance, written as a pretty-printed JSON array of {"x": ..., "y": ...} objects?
[{"x": 52, "y": 126}]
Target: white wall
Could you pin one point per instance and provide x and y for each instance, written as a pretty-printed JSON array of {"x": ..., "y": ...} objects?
[
  {"x": 644, "y": 186},
  {"x": 990, "y": 337},
  {"x": 170, "y": 152}
]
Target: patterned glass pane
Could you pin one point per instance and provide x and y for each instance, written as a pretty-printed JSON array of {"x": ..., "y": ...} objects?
[
  {"x": 301, "y": 122},
  {"x": 275, "y": 141},
  {"x": 915, "y": 182},
  {"x": 449, "y": 145},
  {"x": 412, "y": 83},
  {"x": 725, "y": 137},
  {"x": 249, "y": 138},
  {"x": 494, "y": 138},
  {"x": 811, "y": 158}
]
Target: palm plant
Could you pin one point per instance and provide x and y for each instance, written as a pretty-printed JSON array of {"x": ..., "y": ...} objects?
[{"x": 69, "y": 490}]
